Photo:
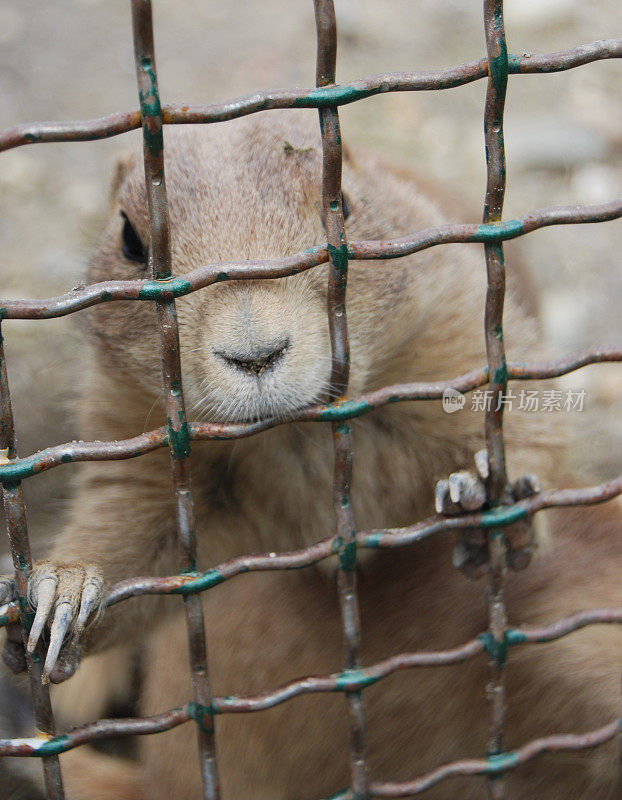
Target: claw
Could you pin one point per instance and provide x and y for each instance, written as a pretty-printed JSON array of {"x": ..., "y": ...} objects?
[
  {"x": 45, "y": 592},
  {"x": 525, "y": 486},
  {"x": 91, "y": 601},
  {"x": 482, "y": 463},
  {"x": 67, "y": 662},
  {"x": 466, "y": 491},
  {"x": 473, "y": 495},
  {"x": 471, "y": 560},
  {"x": 457, "y": 482},
  {"x": 63, "y": 617},
  {"x": 440, "y": 492}
]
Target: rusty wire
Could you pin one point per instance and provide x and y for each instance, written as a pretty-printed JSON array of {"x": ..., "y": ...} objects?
[
  {"x": 17, "y": 526},
  {"x": 497, "y": 375},
  {"x": 146, "y": 289},
  {"x": 115, "y": 124},
  {"x": 177, "y": 428},
  {"x": 332, "y": 157},
  {"x": 327, "y": 96}
]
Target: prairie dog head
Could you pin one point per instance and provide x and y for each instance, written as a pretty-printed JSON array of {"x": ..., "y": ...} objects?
[{"x": 251, "y": 189}]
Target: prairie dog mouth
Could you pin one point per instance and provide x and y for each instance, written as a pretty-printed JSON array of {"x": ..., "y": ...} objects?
[{"x": 257, "y": 362}]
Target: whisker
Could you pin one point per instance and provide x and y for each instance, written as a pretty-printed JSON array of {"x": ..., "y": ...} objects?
[{"x": 149, "y": 413}]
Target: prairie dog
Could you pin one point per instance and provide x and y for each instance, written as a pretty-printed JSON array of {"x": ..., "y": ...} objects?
[{"x": 251, "y": 189}]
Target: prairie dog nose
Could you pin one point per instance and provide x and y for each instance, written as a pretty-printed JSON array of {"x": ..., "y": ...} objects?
[{"x": 257, "y": 360}]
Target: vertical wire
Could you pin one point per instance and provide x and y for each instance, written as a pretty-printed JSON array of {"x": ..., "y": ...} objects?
[
  {"x": 17, "y": 527},
  {"x": 495, "y": 352},
  {"x": 342, "y": 439},
  {"x": 178, "y": 434}
]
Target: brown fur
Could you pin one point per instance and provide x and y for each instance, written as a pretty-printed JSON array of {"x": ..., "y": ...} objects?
[{"x": 237, "y": 193}]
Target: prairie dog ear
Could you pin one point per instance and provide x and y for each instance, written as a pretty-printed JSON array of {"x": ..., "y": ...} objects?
[{"x": 121, "y": 170}]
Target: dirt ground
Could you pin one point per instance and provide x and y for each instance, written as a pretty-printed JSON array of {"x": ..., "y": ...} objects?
[{"x": 73, "y": 59}]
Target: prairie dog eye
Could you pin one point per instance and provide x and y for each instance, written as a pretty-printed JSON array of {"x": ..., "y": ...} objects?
[{"x": 133, "y": 248}]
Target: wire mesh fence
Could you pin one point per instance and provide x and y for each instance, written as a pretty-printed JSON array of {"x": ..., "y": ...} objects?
[{"x": 164, "y": 288}]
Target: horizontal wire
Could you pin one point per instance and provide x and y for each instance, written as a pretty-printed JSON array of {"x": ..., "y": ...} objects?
[
  {"x": 193, "y": 583},
  {"x": 146, "y": 289},
  {"x": 497, "y": 764},
  {"x": 346, "y": 681},
  {"x": 373, "y": 539},
  {"x": 449, "y": 78},
  {"x": 18, "y": 469}
]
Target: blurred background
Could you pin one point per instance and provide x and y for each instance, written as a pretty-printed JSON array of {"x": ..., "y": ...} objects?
[{"x": 73, "y": 60}]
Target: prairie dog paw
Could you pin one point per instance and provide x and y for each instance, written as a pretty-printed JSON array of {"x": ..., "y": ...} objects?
[
  {"x": 521, "y": 538},
  {"x": 463, "y": 491},
  {"x": 67, "y": 597},
  {"x": 466, "y": 491}
]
